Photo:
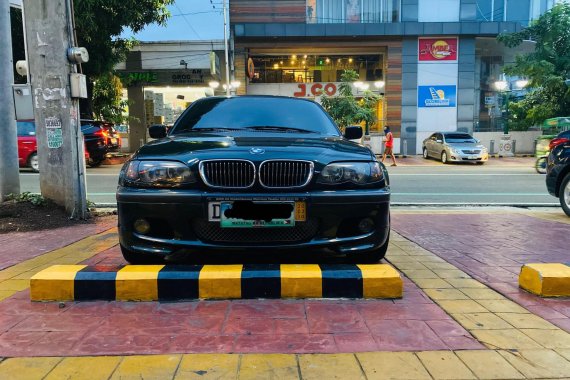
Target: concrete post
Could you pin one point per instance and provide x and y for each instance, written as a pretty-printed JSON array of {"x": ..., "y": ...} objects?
[
  {"x": 9, "y": 172},
  {"x": 60, "y": 141}
]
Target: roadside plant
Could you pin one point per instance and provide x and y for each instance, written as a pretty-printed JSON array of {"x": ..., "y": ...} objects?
[
  {"x": 346, "y": 109},
  {"x": 35, "y": 199}
]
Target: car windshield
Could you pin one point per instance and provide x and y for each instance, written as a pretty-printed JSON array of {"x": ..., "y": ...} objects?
[
  {"x": 255, "y": 114},
  {"x": 459, "y": 138}
]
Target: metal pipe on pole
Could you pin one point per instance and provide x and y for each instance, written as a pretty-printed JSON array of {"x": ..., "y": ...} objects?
[
  {"x": 9, "y": 170},
  {"x": 228, "y": 89}
]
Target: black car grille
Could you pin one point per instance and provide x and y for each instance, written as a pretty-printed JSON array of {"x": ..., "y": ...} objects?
[
  {"x": 466, "y": 151},
  {"x": 237, "y": 174},
  {"x": 285, "y": 173},
  {"x": 212, "y": 232}
]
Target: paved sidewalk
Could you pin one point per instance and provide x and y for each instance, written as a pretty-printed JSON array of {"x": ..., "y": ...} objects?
[
  {"x": 492, "y": 247},
  {"x": 456, "y": 320},
  {"x": 503, "y": 161}
]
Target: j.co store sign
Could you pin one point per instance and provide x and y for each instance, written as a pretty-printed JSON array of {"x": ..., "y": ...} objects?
[{"x": 437, "y": 49}]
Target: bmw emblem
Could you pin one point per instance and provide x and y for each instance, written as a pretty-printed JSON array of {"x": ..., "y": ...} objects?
[{"x": 257, "y": 151}]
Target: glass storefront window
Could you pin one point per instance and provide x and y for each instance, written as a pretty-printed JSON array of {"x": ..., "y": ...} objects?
[
  {"x": 352, "y": 11},
  {"x": 315, "y": 68}
]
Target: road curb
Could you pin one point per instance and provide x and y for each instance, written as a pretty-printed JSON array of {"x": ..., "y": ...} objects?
[
  {"x": 546, "y": 280},
  {"x": 184, "y": 282}
]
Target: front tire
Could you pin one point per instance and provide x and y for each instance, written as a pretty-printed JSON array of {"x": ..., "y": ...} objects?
[
  {"x": 444, "y": 159},
  {"x": 425, "y": 153},
  {"x": 139, "y": 258},
  {"x": 564, "y": 194},
  {"x": 34, "y": 163}
]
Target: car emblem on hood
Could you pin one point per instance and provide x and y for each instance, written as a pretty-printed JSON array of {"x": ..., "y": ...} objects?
[{"x": 257, "y": 151}]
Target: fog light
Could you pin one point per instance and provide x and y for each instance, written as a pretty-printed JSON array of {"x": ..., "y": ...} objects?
[
  {"x": 142, "y": 226},
  {"x": 366, "y": 225}
]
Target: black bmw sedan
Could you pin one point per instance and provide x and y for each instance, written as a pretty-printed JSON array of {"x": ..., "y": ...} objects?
[{"x": 253, "y": 173}]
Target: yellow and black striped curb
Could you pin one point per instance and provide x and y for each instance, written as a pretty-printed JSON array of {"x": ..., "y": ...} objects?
[
  {"x": 179, "y": 282},
  {"x": 546, "y": 280}
]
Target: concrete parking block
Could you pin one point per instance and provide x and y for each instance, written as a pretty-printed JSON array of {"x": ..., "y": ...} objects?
[
  {"x": 332, "y": 366},
  {"x": 538, "y": 364},
  {"x": 277, "y": 366},
  {"x": 489, "y": 365},
  {"x": 208, "y": 366},
  {"x": 249, "y": 281},
  {"x": 392, "y": 365},
  {"x": 99, "y": 367},
  {"x": 445, "y": 365},
  {"x": 546, "y": 280},
  {"x": 147, "y": 367}
]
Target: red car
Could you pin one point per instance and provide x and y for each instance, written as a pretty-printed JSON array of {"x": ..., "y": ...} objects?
[{"x": 28, "y": 145}]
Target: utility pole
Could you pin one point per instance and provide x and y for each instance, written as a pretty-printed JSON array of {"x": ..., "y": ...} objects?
[
  {"x": 225, "y": 8},
  {"x": 50, "y": 35},
  {"x": 9, "y": 171}
]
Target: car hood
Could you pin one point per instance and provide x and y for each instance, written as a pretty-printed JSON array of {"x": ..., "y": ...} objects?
[
  {"x": 466, "y": 145},
  {"x": 204, "y": 146}
]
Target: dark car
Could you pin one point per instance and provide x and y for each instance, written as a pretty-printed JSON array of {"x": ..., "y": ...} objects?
[
  {"x": 253, "y": 173},
  {"x": 100, "y": 139},
  {"x": 558, "y": 170}
]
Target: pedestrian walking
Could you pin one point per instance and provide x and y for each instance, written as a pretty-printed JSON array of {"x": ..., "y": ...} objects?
[{"x": 389, "y": 145}]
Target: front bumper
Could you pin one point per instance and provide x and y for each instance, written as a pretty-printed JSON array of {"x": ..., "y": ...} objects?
[
  {"x": 464, "y": 157},
  {"x": 178, "y": 218}
]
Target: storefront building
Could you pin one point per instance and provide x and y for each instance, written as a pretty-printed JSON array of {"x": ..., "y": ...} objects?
[{"x": 433, "y": 62}]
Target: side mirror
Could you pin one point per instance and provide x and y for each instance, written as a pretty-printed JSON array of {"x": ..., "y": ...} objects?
[
  {"x": 353, "y": 132},
  {"x": 157, "y": 131},
  {"x": 478, "y": 141}
]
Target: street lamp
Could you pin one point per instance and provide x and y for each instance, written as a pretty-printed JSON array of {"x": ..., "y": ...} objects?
[{"x": 214, "y": 84}]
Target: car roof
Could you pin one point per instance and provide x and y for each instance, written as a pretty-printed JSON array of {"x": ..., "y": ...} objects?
[{"x": 259, "y": 97}]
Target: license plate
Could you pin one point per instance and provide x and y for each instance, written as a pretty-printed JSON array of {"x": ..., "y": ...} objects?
[
  {"x": 472, "y": 157},
  {"x": 219, "y": 211}
]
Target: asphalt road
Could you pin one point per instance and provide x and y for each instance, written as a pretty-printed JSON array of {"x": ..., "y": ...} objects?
[{"x": 413, "y": 182}]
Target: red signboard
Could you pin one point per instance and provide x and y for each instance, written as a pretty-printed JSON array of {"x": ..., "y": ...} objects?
[
  {"x": 437, "y": 49},
  {"x": 315, "y": 89}
]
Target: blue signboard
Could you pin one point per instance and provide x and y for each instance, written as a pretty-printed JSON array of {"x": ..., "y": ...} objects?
[{"x": 437, "y": 96}]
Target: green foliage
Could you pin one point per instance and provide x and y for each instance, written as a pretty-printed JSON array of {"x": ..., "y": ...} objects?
[
  {"x": 345, "y": 109},
  {"x": 107, "y": 103},
  {"x": 35, "y": 199},
  {"x": 99, "y": 24},
  {"x": 546, "y": 68}
]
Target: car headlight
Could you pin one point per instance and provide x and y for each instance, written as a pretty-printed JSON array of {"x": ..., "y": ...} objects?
[
  {"x": 157, "y": 173},
  {"x": 454, "y": 150},
  {"x": 360, "y": 173}
]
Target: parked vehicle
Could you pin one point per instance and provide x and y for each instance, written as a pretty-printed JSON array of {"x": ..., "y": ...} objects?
[
  {"x": 544, "y": 143},
  {"x": 27, "y": 145},
  {"x": 253, "y": 173},
  {"x": 454, "y": 147},
  {"x": 100, "y": 139},
  {"x": 558, "y": 170}
]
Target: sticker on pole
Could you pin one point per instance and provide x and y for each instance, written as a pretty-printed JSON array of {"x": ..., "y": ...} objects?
[{"x": 54, "y": 138}]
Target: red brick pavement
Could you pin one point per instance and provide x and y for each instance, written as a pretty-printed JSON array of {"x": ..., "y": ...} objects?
[
  {"x": 492, "y": 248},
  {"x": 16, "y": 247},
  {"x": 244, "y": 326}
]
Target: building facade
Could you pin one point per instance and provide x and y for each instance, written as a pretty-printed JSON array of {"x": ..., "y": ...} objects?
[{"x": 434, "y": 62}]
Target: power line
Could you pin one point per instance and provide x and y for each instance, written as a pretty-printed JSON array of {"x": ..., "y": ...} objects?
[{"x": 187, "y": 22}]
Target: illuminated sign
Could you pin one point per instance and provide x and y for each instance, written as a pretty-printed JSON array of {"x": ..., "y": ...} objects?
[
  {"x": 315, "y": 89},
  {"x": 437, "y": 49},
  {"x": 437, "y": 96}
]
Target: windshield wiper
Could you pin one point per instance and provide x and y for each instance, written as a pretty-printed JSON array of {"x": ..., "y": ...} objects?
[
  {"x": 279, "y": 129},
  {"x": 221, "y": 129}
]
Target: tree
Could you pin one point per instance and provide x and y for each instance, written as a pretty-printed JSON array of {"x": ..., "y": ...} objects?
[
  {"x": 107, "y": 102},
  {"x": 546, "y": 68},
  {"x": 345, "y": 109},
  {"x": 99, "y": 25}
]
